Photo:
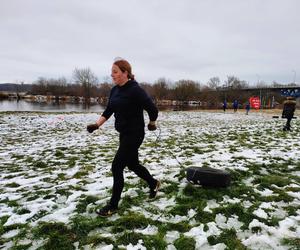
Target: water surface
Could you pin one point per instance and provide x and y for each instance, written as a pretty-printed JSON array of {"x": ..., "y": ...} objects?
[{"x": 24, "y": 105}]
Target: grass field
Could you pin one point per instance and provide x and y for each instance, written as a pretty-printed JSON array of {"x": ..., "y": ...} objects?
[{"x": 54, "y": 175}]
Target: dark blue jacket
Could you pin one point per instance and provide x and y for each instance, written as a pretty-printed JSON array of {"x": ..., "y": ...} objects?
[
  {"x": 235, "y": 104},
  {"x": 127, "y": 103}
]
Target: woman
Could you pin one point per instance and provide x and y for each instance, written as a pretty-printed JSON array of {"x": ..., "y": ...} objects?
[{"x": 127, "y": 101}]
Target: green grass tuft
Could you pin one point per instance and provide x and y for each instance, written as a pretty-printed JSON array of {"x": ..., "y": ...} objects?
[
  {"x": 96, "y": 240},
  {"x": 12, "y": 185},
  {"x": 229, "y": 238},
  {"x": 293, "y": 243},
  {"x": 130, "y": 221},
  {"x": 268, "y": 181},
  {"x": 84, "y": 201},
  {"x": 185, "y": 243},
  {"x": 57, "y": 235},
  {"x": 129, "y": 237},
  {"x": 40, "y": 165},
  {"x": 59, "y": 154}
]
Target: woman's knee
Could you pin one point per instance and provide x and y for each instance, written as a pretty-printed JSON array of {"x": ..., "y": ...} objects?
[{"x": 133, "y": 166}]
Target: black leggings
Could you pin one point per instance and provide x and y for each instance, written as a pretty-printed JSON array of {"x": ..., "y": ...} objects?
[{"x": 127, "y": 155}]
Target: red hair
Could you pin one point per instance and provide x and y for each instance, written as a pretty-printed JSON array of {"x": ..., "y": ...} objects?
[{"x": 125, "y": 66}]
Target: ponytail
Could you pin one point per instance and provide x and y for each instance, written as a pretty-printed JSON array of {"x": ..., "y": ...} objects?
[{"x": 131, "y": 76}]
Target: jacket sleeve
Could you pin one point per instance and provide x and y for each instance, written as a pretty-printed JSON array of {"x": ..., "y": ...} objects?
[
  {"x": 147, "y": 104},
  {"x": 108, "y": 110}
]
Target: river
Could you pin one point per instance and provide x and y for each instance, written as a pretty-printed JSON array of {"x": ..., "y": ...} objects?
[{"x": 23, "y": 105}]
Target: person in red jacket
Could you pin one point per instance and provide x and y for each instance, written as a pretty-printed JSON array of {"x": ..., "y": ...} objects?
[
  {"x": 127, "y": 101},
  {"x": 289, "y": 107}
]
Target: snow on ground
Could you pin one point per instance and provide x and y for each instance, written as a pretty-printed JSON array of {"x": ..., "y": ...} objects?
[{"x": 51, "y": 167}]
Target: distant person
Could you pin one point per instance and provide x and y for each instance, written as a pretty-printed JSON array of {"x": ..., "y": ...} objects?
[
  {"x": 247, "y": 107},
  {"x": 289, "y": 107},
  {"x": 224, "y": 106},
  {"x": 127, "y": 101},
  {"x": 235, "y": 105}
]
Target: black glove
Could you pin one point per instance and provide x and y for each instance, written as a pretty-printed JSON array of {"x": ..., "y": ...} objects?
[
  {"x": 151, "y": 127},
  {"x": 90, "y": 128}
]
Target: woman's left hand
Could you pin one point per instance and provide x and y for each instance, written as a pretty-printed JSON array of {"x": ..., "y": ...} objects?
[{"x": 151, "y": 126}]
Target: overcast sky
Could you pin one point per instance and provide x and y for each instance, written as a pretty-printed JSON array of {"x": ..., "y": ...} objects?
[{"x": 255, "y": 40}]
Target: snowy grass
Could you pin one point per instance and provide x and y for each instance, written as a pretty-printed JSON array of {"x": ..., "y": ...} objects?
[{"x": 54, "y": 175}]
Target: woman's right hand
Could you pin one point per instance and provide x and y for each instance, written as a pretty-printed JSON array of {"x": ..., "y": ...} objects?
[{"x": 91, "y": 127}]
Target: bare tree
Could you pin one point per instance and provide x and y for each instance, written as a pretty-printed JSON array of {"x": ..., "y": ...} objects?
[
  {"x": 39, "y": 87},
  {"x": 233, "y": 89},
  {"x": 103, "y": 91},
  {"x": 186, "y": 90},
  {"x": 86, "y": 78},
  {"x": 57, "y": 87},
  {"x": 148, "y": 88},
  {"x": 276, "y": 84},
  {"x": 261, "y": 84},
  {"x": 160, "y": 89},
  {"x": 233, "y": 82},
  {"x": 214, "y": 82}
]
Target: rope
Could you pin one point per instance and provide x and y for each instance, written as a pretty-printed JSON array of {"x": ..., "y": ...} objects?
[{"x": 158, "y": 139}]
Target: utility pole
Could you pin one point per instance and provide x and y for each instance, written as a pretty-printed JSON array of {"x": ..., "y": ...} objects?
[
  {"x": 259, "y": 91},
  {"x": 294, "y": 76}
]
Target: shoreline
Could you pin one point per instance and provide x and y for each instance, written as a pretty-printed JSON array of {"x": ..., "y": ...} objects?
[{"x": 241, "y": 111}]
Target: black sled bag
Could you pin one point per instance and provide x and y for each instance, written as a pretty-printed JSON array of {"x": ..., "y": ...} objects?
[{"x": 208, "y": 177}]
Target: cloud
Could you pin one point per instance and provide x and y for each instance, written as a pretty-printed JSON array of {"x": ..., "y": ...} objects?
[{"x": 174, "y": 39}]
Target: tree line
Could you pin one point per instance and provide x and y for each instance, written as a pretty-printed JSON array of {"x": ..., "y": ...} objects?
[{"x": 85, "y": 84}]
